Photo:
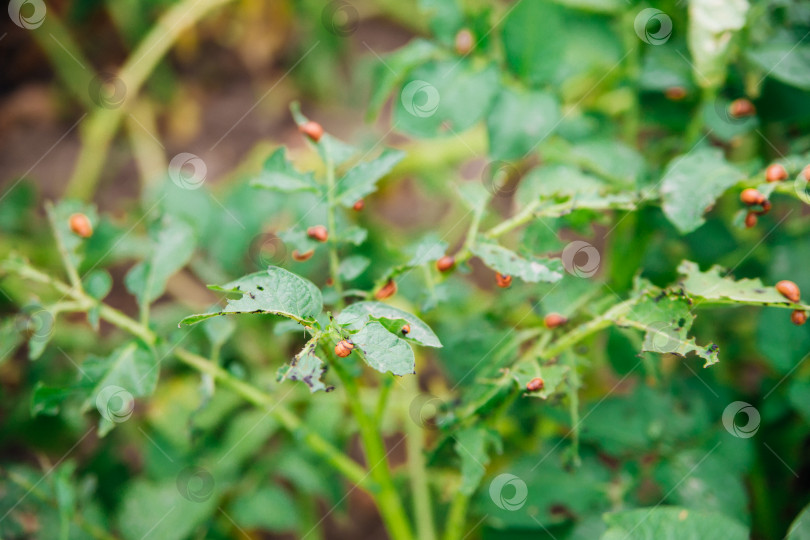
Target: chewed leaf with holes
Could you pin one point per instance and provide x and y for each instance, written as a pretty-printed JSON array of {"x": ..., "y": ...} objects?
[
  {"x": 670, "y": 522},
  {"x": 275, "y": 291},
  {"x": 510, "y": 263},
  {"x": 356, "y": 316},
  {"x": 553, "y": 376},
  {"x": 306, "y": 367},
  {"x": 278, "y": 174},
  {"x": 665, "y": 320},
  {"x": 384, "y": 351},
  {"x": 716, "y": 287}
]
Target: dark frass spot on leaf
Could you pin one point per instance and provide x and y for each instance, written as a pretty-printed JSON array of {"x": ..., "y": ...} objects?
[{"x": 681, "y": 322}]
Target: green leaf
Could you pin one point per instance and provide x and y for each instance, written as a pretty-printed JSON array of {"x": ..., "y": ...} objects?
[
  {"x": 510, "y": 263},
  {"x": 444, "y": 97},
  {"x": 361, "y": 180},
  {"x": 519, "y": 121},
  {"x": 692, "y": 183},
  {"x": 800, "y": 528},
  {"x": 666, "y": 320},
  {"x": 552, "y": 374},
  {"x": 533, "y": 40},
  {"x": 559, "y": 181},
  {"x": 613, "y": 161},
  {"x": 712, "y": 25},
  {"x": 351, "y": 267},
  {"x": 358, "y": 315},
  {"x": 278, "y": 174},
  {"x": 472, "y": 446},
  {"x": 784, "y": 60},
  {"x": 275, "y": 291},
  {"x": 429, "y": 248},
  {"x": 172, "y": 515},
  {"x": 269, "y": 508},
  {"x": 47, "y": 399},
  {"x": 172, "y": 247},
  {"x": 715, "y": 285},
  {"x": 393, "y": 68},
  {"x": 672, "y": 523},
  {"x": 384, "y": 351},
  {"x": 306, "y": 367},
  {"x": 595, "y": 6},
  {"x": 112, "y": 382}
]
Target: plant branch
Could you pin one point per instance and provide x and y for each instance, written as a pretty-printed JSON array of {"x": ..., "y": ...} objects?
[
  {"x": 100, "y": 128},
  {"x": 388, "y": 501}
]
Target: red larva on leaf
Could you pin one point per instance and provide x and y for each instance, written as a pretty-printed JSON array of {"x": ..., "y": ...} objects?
[
  {"x": 554, "y": 320},
  {"x": 806, "y": 173},
  {"x": 344, "y": 348},
  {"x": 502, "y": 280},
  {"x": 536, "y": 384},
  {"x": 789, "y": 290},
  {"x": 675, "y": 93},
  {"x": 406, "y": 329},
  {"x": 741, "y": 107},
  {"x": 445, "y": 263},
  {"x": 80, "y": 225},
  {"x": 301, "y": 257},
  {"x": 311, "y": 129},
  {"x": 798, "y": 317},
  {"x": 464, "y": 42},
  {"x": 389, "y": 289},
  {"x": 359, "y": 205},
  {"x": 318, "y": 232},
  {"x": 775, "y": 173},
  {"x": 766, "y": 207},
  {"x": 750, "y": 220},
  {"x": 751, "y": 197}
]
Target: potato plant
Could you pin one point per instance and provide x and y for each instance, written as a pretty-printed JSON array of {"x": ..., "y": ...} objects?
[{"x": 553, "y": 289}]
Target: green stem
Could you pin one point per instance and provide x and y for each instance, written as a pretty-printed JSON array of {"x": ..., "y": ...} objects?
[
  {"x": 573, "y": 406},
  {"x": 70, "y": 268},
  {"x": 457, "y": 517},
  {"x": 697, "y": 123},
  {"x": 100, "y": 128},
  {"x": 388, "y": 501},
  {"x": 334, "y": 261},
  {"x": 285, "y": 417},
  {"x": 417, "y": 470}
]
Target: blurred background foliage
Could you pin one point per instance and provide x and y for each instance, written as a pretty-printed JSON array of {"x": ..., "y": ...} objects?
[{"x": 194, "y": 463}]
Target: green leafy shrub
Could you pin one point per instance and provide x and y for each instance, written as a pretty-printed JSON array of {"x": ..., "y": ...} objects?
[{"x": 509, "y": 311}]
